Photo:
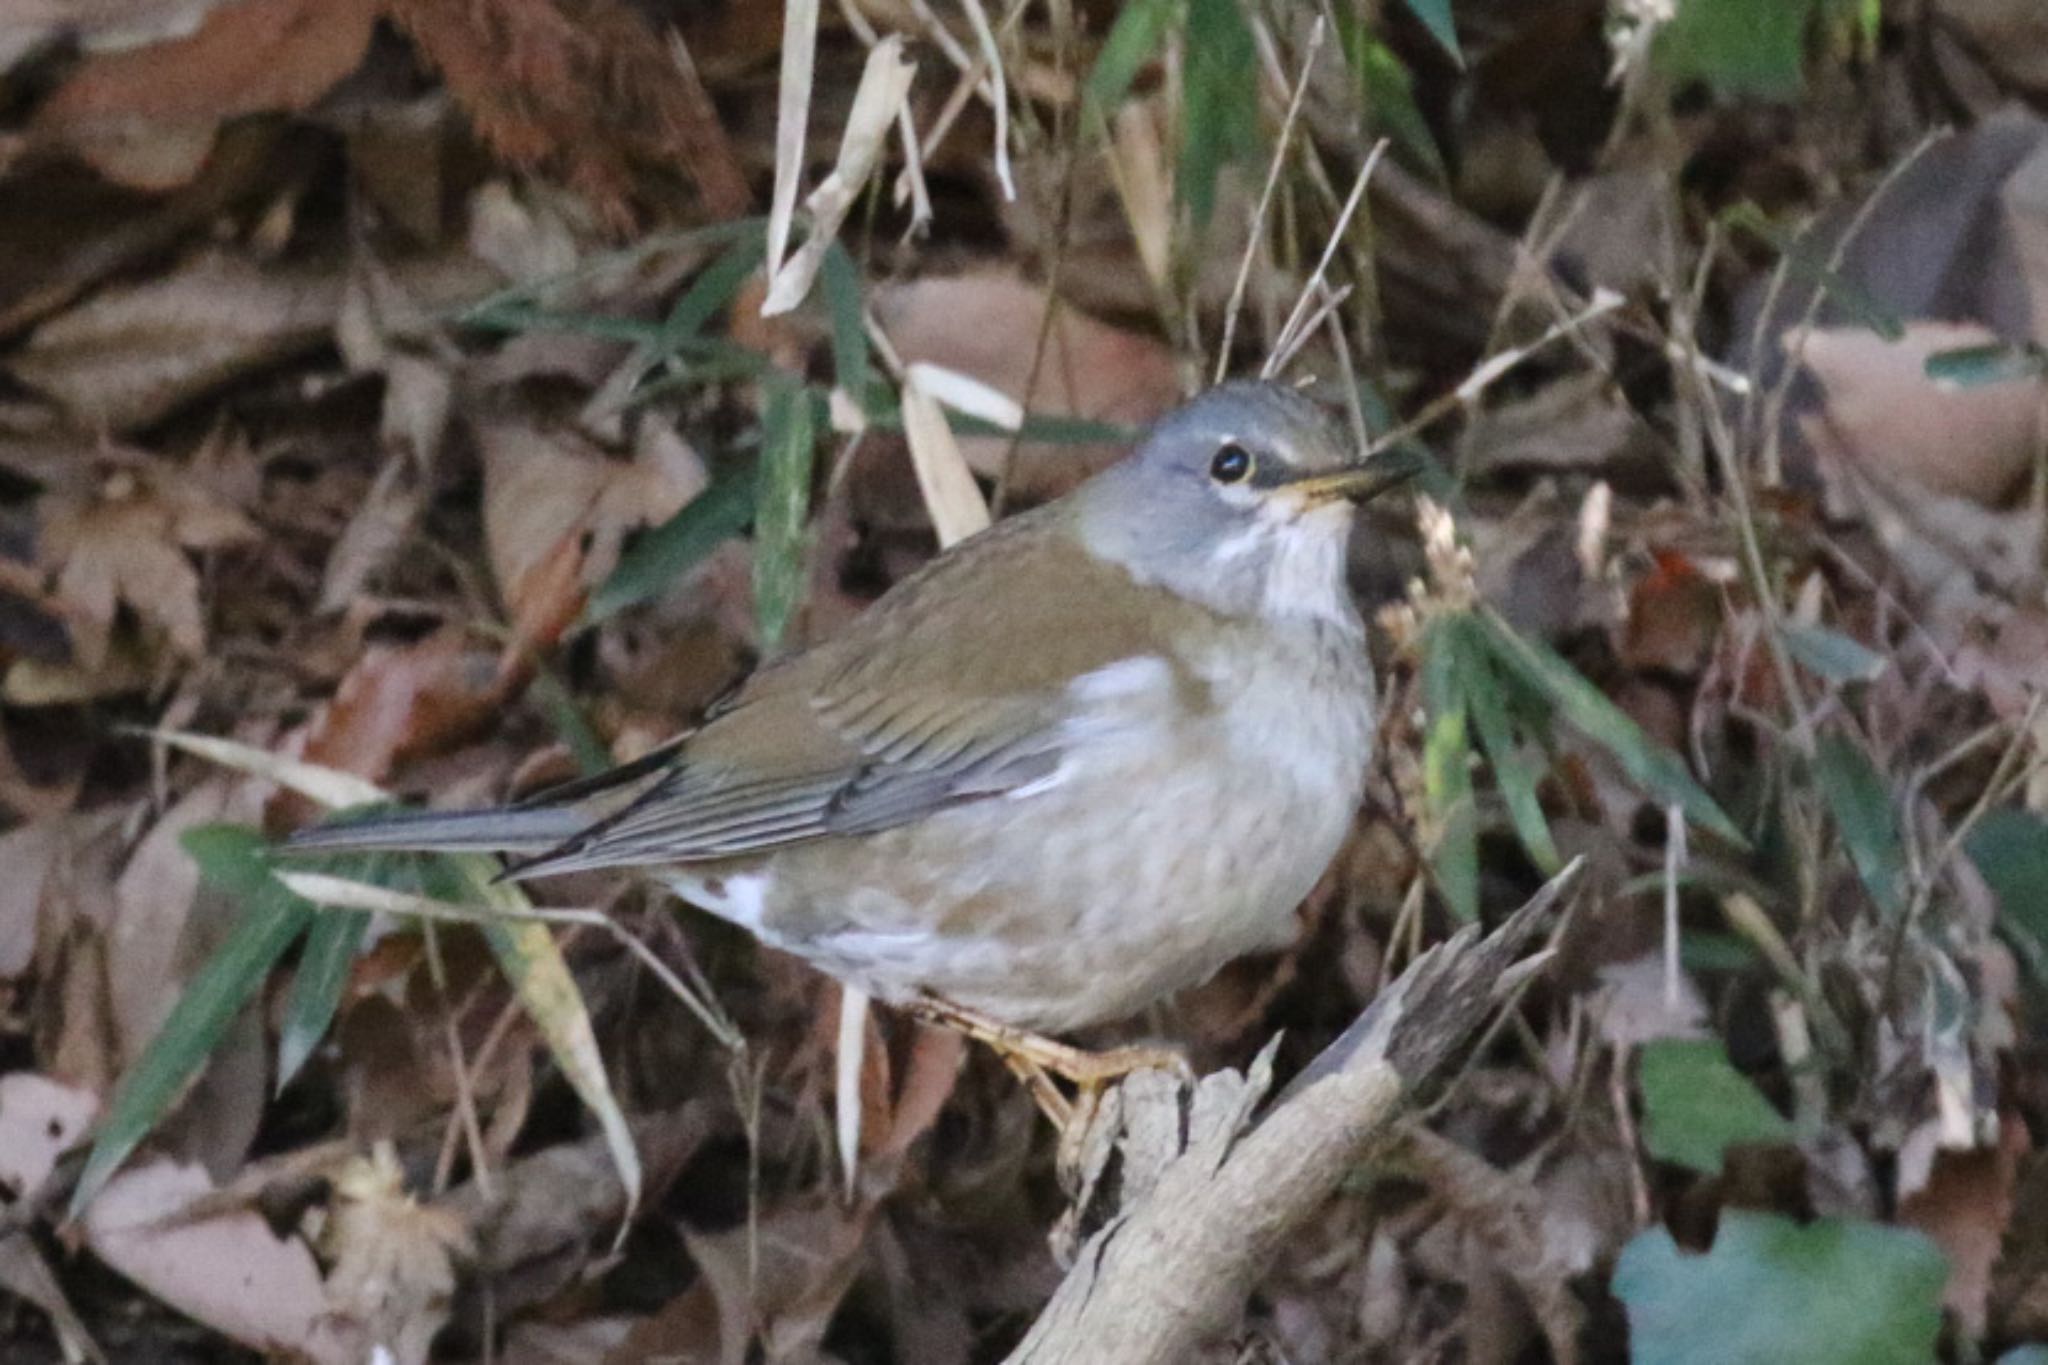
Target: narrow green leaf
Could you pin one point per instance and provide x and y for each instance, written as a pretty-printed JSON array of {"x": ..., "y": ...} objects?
[
  {"x": 1447, "y": 770},
  {"x": 1696, "y": 1105},
  {"x": 1862, "y": 808},
  {"x": 711, "y": 291},
  {"x": 2010, "y": 847},
  {"x": 493, "y": 311},
  {"x": 1219, "y": 101},
  {"x": 1970, "y": 367},
  {"x": 233, "y": 859},
  {"x": 1512, "y": 772},
  {"x": 315, "y": 995},
  {"x": 1831, "y": 654},
  {"x": 781, "y": 501},
  {"x": 1832, "y": 1292},
  {"x": 849, "y": 331},
  {"x": 1436, "y": 17},
  {"x": 1136, "y": 35},
  {"x": 1649, "y": 764},
  {"x": 1387, "y": 89},
  {"x": 1739, "y": 47},
  {"x": 661, "y": 556},
  {"x": 1807, "y": 260}
]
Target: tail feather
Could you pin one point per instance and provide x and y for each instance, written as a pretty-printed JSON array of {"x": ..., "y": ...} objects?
[{"x": 505, "y": 830}]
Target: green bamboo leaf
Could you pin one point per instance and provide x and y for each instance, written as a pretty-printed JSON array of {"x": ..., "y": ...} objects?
[
  {"x": 1513, "y": 773},
  {"x": 1856, "y": 797},
  {"x": 235, "y": 860},
  {"x": 1970, "y": 367},
  {"x": 1136, "y": 35},
  {"x": 2010, "y": 847},
  {"x": 315, "y": 994},
  {"x": 781, "y": 501},
  {"x": 1436, "y": 17},
  {"x": 843, "y": 303},
  {"x": 1447, "y": 770},
  {"x": 663, "y": 555},
  {"x": 1649, "y": 764},
  {"x": 1739, "y": 47},
  {"x": 1219, "y": 101},
  {"x": 503, "y": 310},
  {"x": 1831, "y": 654},
  {"x": 711, "y": 291},
  {"x": 1387, "y": 88}
]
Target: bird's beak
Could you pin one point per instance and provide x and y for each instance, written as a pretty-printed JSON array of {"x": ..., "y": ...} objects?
[{"x": 1361, "y": 482}]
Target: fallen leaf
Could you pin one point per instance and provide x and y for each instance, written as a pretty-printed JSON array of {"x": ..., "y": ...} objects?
[
  {"x": 393, "y": 1258},
  {"x": 1965, "y": 1207},
  {"x": 125, "y": 542},
  {"x": 131, "y": 354},
  {"x": 557, "y": 510},
  {"x": 987, "y": 325},
  {"x": 1880, "y": 408},
  {"x": 246, "y": 57},
  {"x": 227, "y": 1270}
]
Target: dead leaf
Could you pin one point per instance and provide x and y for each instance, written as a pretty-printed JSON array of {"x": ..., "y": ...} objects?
[
  {"x": 1881, "y": 409},
  {"x": 1674, "y": 616},
  {"x": 1965, "y": 1207},
  {"x": 987, "y": 325},
  {"x": 557, "y": 510},
  {"x": 129, "y": 355},
  {"x": 146, "y": 116},
  {"x": 125, "y": 543},
  {"x": 393, "y": 1259},
  {"x": 227, "y": 1270}
]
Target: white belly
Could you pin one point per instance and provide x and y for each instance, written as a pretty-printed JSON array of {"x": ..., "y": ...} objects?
[{"x": 1146, "y": 862}]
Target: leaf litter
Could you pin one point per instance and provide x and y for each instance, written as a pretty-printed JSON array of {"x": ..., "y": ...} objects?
[{"x": 408, "y": 421}]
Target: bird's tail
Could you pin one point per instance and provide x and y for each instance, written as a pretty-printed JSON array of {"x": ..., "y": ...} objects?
[{"x": 522, "y": 830}]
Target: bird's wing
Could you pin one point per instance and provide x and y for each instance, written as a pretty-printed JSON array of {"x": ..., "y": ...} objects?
[{"x": 929, "y": 700}]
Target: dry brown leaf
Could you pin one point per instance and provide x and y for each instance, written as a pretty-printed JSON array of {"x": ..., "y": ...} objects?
[
  {"x": 1965, "y": 1206},
  {"x": 130, "y": 355},
  {"x": 402, "y": 701},
  {"x": 146, "y": 116},
  {"x": 582, "y": 88},
  {"x": 228, "y": 1270},
  {"x": 27, "y": 856},
  {"x": 987, "y": 325},
  {"x": 557, "y": 510},
  {"x": 125, "y": 542},
  {"x": 393, "y": 1259},
  {"x": 1880, "y": 408}
]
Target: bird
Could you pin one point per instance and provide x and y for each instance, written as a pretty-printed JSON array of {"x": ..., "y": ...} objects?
[{"x": 1069, "y": 767}]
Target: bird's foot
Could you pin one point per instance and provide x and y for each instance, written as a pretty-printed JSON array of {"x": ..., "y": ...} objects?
[{"x": 1036, "y": 1060}]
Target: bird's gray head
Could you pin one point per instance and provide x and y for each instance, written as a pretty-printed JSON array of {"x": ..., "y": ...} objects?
[{"x": 1241, "y": 500}]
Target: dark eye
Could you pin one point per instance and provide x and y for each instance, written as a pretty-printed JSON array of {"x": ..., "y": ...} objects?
[{"x": 1233, "y": 464}]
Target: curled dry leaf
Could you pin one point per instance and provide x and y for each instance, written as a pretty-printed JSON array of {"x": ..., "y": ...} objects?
[
  {"x": 393, "y": 1258},
  {"x": 987, "y": 325},
  {"x": 146, "y": 115},
  {"x": 125, "y": 542}
]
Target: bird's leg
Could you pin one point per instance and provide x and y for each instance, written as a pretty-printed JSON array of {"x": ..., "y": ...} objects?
[{"x": 1035, "y": 1059}]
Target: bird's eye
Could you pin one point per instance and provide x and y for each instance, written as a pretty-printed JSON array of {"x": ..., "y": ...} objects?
[{"x": 1233, "y": 464}]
